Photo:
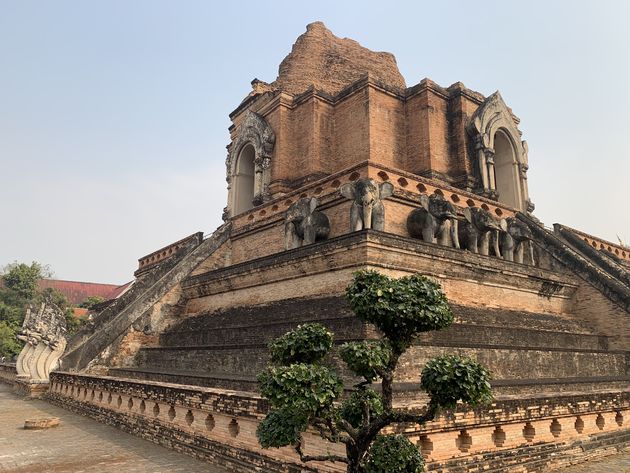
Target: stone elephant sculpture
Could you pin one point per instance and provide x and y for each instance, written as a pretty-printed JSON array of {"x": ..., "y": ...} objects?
[
  {"x": 304, "y": 225},
  {"x": 434, "y": 222},
  {"x": 367, "y": 197},
  {"x": 516, "y": 241},
  {"x": 479, "y": 232}
]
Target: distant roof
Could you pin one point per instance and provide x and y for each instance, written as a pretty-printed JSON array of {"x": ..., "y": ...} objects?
[{"x": 76, "y": 292}]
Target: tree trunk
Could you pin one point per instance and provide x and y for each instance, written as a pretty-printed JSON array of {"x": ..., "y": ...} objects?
[{"x": 354, "y": 457}]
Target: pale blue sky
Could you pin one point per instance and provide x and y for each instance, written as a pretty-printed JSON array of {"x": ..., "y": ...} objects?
[{"x": 114, "y": 114}]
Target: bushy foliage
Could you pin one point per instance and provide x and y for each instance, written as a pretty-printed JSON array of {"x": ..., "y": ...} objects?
[
  {"x": 353, "y": 409},
  {"x": 401, "y": 308},
  {"x": 9, "y": 345},
  {"x": 303, "y": 392},
  {"x": 366, "y": 358},
  {"x": 308, "y": 343},
  {"x": 22, "y": 278},
  {"x": 393, "y": 454},
  {"x": 306, "y": 388},
  {"x": 450, "y": 378},
  {"x": 91, "y": 301},
  {"x": 281, "y": 427}
]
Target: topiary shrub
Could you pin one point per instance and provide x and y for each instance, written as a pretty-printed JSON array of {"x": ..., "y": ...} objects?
[
  {"x": 450, "y": 378},
  {"x": 302, "y": 392},
  {"x": 308, "y": 343},
  {"x": 400, "y": 308},
  {"x": 361, "y": 406},
  {"x": 393, "y": 454}
]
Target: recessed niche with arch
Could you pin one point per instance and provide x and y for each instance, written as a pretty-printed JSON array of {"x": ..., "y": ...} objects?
[
  {"x": 529, "y": 432},
  {"x": 463, "y": 441},
  {"x": 244, "y": 180},
  {"x": 210, "y": 423},
  {"x": 190, "y": 418},
  {"x": 425, "y": 444},
  {"x": 233, "y": 428},
  {"x": 498, "y": 436},
  {"x": 506, "y": 171}
]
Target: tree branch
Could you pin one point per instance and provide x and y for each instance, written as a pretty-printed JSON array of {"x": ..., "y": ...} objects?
[{"x": 318, "y": 458}]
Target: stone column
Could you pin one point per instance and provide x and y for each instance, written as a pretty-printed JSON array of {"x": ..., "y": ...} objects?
[
  {"x": 490, "y": 162},
  {"x": 258, "y": 181},
  {"x": 483, "y": 168}
]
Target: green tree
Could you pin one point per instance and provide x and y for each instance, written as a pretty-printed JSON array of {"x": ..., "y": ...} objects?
[
  {"x": 91, "y": 301},
  {"x": 20, "y": 288},
  {"x": 22, "y": 278},
  {"x": 303, "y": 391}
]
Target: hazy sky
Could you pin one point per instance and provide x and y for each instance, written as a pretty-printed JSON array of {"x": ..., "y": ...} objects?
[{"x": 114, "y": 114}]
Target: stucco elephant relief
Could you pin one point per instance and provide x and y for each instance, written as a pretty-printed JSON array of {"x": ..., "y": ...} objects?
[
  {"x": 367, "y": 197},
  {"x": 434, "y": 222},
  {"x": 479, "y": 232},
  {"x": 304, "y": 225},
  {"x": 516, "y": 241}
]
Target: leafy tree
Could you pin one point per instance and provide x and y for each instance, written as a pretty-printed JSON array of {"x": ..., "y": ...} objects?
[
  {"x": 22, "y": 278},
  {"x": 20, "y": 288},
  {"x": 303, "y": 392},
  {"x": 91, "y": 301}
]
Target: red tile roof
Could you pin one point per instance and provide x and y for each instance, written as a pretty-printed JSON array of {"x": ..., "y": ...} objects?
[{"x": 77, "y": 292}]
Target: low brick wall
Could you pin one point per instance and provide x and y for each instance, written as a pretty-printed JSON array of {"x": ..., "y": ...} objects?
[
  {"x": 8, "y": 373},
  {"x": 520, "y": 434}
]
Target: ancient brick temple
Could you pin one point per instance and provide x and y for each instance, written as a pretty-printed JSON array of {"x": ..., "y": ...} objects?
[{"x": 336, "y": 166}]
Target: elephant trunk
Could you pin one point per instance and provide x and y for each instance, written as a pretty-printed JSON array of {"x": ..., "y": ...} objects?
[{"x": 367, "y": 214}]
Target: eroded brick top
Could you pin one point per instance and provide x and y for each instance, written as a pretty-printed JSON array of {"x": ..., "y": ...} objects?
[{"x": 328, "y": 63}]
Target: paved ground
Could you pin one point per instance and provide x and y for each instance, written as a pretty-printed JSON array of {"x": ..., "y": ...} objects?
[
  {"x": 615, "y": 464},
  {"x": 79, "y": 445}
]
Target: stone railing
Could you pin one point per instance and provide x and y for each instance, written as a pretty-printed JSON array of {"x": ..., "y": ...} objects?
[
  {"x": 148, "y": 261},
  {"x": 220, "y": 425},
  {"x": 619, "y": 251}
]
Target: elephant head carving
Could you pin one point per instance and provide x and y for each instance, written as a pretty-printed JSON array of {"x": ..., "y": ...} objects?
[
  {"x": 367, "y": 197},
  {"x": 479, "y": 232},
  {"x": 516, "y": 241},
  {"x": 304, "y": 225},
  {"x": 435, "y": 221}
]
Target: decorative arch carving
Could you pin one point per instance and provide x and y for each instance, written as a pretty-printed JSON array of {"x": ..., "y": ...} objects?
[
  {"x": 492, "y": 117},
  {"x": 255, "y": 131}
]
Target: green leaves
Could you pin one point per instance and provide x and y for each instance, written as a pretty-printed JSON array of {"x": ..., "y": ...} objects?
[
  {"x": 358, "y": 404},
  {"x": 450, "y": 378},
  {"x": 281, "y": 427},
  {"x": 310, "y": 389},
  {"x": 400, "y": 308},
  {"x": 308, "y": 343},
  {"x": 393, "y": 454},
  {"x": 302, "y": 391},
  {"x": 366, "y": 358}
]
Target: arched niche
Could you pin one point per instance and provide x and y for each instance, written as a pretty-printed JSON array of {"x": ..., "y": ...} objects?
[
  {"x": 243, "y": 187},
  {"x": 248, "y": 165},
  {"x": 500, "y": 155},
  {"x": 506, "y": 171}
]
